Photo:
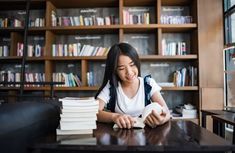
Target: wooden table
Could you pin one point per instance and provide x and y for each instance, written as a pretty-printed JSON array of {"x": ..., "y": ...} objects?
[
  {"x": 174, "y": 136},
  {"x": 212, "y": 112},
  {"x": 219, "y": 120}
]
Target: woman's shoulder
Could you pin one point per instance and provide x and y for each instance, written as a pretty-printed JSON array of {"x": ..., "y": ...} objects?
[
  {"x": 147, "y": 79},
  {"x": 151, "y": 81}
]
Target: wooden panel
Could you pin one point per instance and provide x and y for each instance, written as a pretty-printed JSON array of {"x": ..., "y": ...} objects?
[
  {"x": 84, "y": 72},
  {"x": 121, "y": 12},
  {"x": 49, "y": 8},
  {"x": 212, "y": 98},
  {"x": 210, "y": 41},
  {"x": 159, "y": 42},
  {"x": 121, "y": 35},
  {"x": 50, "y": 38},
  {"x": 15, "y": 38}
]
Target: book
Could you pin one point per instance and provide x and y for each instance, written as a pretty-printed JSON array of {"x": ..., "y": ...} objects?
[
  {"x": 77, "y": 125},
  {"x": 75, "y": 101},
  {"x": 139, "y": 122},
  {"x": 72, "y": 132}
]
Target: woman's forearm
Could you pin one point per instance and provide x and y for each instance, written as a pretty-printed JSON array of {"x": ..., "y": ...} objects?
[{"x": 104, "y": 116}]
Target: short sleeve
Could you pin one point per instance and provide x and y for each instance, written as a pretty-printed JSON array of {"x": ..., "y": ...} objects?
[
  {"x": 155, "y": 87},
  {"x": 104, "y": 94}
]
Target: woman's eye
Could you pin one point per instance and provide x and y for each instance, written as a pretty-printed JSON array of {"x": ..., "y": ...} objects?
[
  {"x": 120, "y": 69},
  {"x": 132, "y": 64}
]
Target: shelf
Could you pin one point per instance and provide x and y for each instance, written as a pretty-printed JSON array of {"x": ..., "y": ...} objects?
[
  {"x": 11, "y": 59},
  {"x": 36, "y": 88},
  {"x": 188, "y": 88},
  {"x": 77, "y": 58},
  {"x": 177, "y": 27},
  {"x": 126, "y": 28},
  {"x": 35, "y": 58},
  {"x": 142, "y": 57},
  {"x": 76, "y": 88},
  {"x": 175, "y": 2},
  {"x": 37, "y": 30},
  {"x": 84, "y": 4},
  {"x": 11, "y": 29},
  {"x": 9, "y": 88},
  {"x": 177, "y": 57},
  {"x": 84, "y": 29}
]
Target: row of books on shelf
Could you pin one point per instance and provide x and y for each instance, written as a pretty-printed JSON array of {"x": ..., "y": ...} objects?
[
  {"x": 185, "y": 77},
  {"x": 10, "y": 76},
  {"x": 34, "y": 77},
  {"x": 173, "y": 48},
  {"x": 167, "y": 19},
  {"x": 91, "y": 79},
  {"x": 4, "y": 51},
  {"x": 32, "y": 51},
  {"x": 77, "y": 49},
  {"x": 82, "y": 20},
  {"x": 69, "y": 79},
  {"x": 131, "y": 18},
  {"x": 9, "y": 22},
  {"x": 78, "y": 115},
  {"x": 38, "y": 22}
]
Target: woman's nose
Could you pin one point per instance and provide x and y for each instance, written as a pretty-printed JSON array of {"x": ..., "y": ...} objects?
[{"x": 128, "y": 70}]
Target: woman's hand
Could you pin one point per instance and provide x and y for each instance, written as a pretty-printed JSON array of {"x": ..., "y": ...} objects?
[
  {"x": 124, "y": 121},
  {"x": 154, "y": 119}
]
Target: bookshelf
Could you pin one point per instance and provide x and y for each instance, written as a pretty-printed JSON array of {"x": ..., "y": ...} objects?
[{"x": 166, "y": 34}]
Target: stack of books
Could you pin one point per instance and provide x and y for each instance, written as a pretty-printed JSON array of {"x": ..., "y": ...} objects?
[
  {"x": 187, "y": 111},
  {"x": 78, "y": 115}
]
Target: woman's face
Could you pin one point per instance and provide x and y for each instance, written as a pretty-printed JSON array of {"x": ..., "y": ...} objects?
[{"x": 126, "y": 69}]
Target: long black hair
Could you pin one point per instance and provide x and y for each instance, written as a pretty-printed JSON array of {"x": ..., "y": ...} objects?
[{"x": 111, "y": 66}]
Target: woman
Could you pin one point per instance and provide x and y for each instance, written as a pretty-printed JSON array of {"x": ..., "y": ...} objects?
[{"x": 123, "y": 92}]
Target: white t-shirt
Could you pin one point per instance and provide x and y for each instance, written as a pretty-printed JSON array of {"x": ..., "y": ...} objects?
[{"x": 131, "y": 106}]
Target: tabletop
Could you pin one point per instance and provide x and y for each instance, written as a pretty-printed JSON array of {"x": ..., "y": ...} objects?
[{"x": 174, "y": 136}]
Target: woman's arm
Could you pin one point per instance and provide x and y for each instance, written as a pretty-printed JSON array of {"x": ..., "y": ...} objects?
[
  {"x": 155, "y": 119},
  {"x": 123, "y": 121}
]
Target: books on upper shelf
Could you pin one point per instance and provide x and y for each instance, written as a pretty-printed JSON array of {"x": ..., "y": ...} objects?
[
  {"x": 138, "y": 15},
  {"x": 185, "y": 77},
  {"x": 173, "y": 48},
  {"x": 78, "y": 115},
  {"x": 85, "y": 17},
  {"x": 175, "y": 15},
  {"x": 77, "y": 49}
]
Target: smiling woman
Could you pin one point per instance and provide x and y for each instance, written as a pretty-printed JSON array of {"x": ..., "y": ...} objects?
[{"x": 123, "y": 90}]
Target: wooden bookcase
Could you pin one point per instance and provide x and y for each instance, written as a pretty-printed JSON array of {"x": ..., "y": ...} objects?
[{"x": 150, "y": 34}]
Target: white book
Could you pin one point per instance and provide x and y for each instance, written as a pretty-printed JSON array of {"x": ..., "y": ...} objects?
[
  {"x": 83, "y": 110},
  {"x": 78, "y": 119},
  {"x": 139, "y": 122},
  {"x": 68, "y": 108},
  {"x": 75, "y": 101},
  {"x": 85, "y": 115},
  {"x": 72, "y": 132},
  {"x": 77, "y": 125}
]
